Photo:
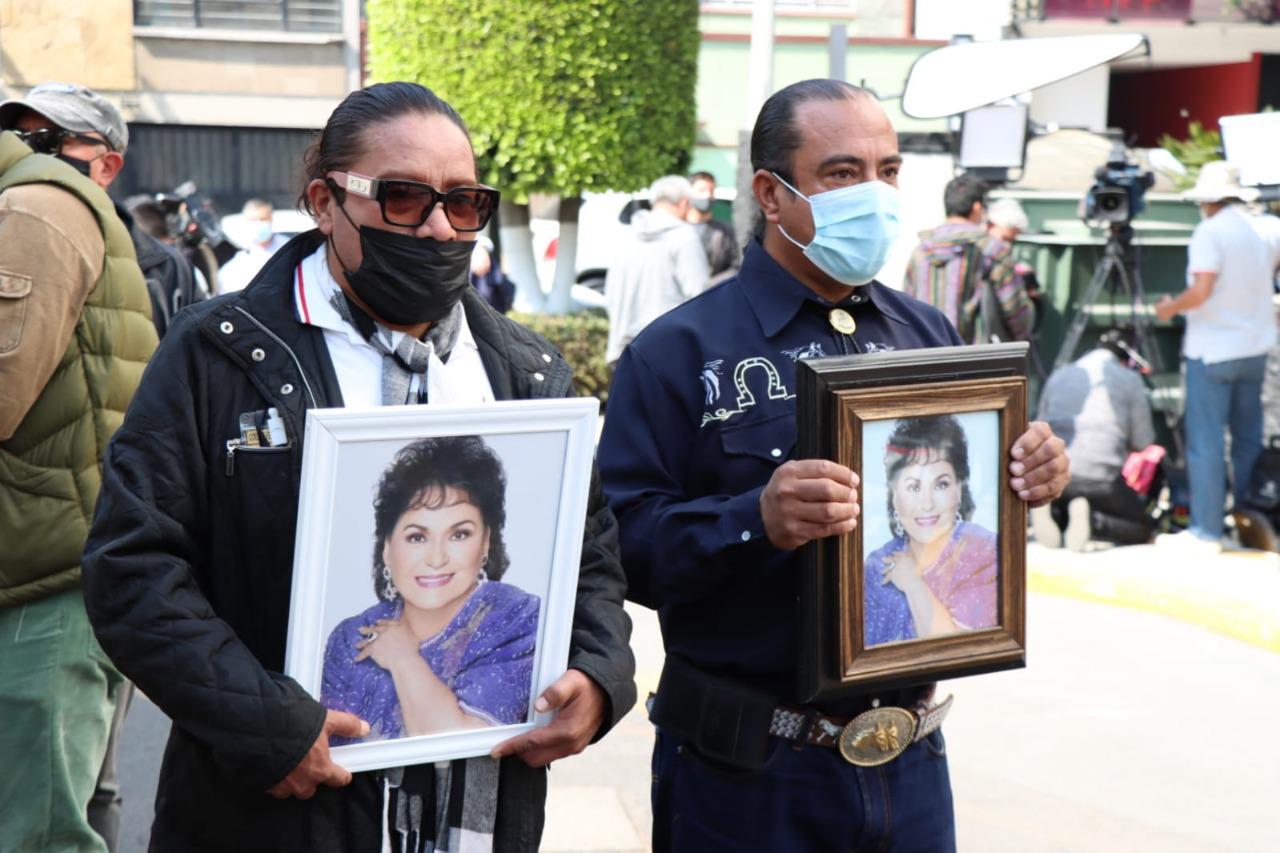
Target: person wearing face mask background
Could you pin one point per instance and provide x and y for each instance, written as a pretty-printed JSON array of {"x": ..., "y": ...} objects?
[
  {"x": 260, "y": 243},
  {"x": 87, "y": 132},
  {"x": 658, "y": 265},
  {"x": 697, "y": 459},
  {"x": 189, "y": 562},
  {"x": 75, "y": 332},
  {"x": 717, "y": 237}
]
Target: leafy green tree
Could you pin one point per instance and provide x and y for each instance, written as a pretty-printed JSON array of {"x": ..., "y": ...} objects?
[{"x": 561, "y": 96}]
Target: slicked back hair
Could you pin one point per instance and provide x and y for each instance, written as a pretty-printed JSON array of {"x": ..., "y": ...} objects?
[
  {"x": 775, "y": 137},
  {"x": 345, "y": 133}
]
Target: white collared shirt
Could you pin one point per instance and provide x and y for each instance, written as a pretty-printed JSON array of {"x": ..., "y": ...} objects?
[
  {"x": 1238, "y": 319},
  {"x": 236, "y": 273},
  {"x": 359, "y": 366}
]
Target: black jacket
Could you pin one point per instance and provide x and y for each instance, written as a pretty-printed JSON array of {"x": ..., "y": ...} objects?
[
  {"x": 187, "y": 572},
  {"x": 171, "y": 280}
]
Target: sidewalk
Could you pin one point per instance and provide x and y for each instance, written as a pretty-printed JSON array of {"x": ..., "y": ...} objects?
[
  {"x": 1236, "y": 594},
  {"x": 1107, "y": 773}
]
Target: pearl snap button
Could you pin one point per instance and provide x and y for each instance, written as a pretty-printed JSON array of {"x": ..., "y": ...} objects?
[
  {"x": 775, "y": 453},
  {"x": 746, "y": 536}
]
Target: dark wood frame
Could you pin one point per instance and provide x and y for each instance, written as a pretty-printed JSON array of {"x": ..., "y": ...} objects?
[{"x": 835, "y": 397}]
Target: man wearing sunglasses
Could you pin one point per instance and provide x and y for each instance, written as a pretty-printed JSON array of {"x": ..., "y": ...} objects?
[
  {"x": 86, "y": 132},
  {"x": 75, "y": 333}
]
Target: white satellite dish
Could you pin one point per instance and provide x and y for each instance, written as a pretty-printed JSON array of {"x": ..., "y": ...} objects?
[{"x": 961, "y": 77}]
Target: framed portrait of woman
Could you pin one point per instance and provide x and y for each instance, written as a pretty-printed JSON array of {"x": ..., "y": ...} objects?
[
  {"x": 435, "y": 570},
  {"x": 931, "y": 583}
]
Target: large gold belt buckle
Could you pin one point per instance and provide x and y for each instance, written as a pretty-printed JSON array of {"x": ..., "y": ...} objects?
[{"x": 877, "y": 736}]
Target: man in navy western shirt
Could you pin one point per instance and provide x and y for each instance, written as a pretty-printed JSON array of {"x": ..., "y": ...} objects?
[{"x": 696, "y": 457}]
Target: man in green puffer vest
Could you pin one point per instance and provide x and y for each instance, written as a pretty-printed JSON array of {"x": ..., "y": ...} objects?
[{"x": 75, "y": 335}]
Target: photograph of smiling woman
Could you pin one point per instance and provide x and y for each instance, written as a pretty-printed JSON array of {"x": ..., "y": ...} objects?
[
  {"x": 937, "y": 575},
  {"x": 448, "y": 646}
]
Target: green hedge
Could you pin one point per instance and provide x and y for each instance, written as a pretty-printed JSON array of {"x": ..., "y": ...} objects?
[
  {"x": 561, "y": 96},
  {"x": 582, "y": 338}
]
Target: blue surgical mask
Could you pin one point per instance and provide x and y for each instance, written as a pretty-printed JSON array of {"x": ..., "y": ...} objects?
[
  {"x": 261, "y": 231},
  {"x": 853, "y": 229}
]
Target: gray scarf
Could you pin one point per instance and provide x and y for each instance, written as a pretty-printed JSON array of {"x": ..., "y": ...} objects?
[
  {"x": 410, "y": 356},
  {"x": 427, "y": 806}
]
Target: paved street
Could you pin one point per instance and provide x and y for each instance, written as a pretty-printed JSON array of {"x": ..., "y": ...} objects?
[{"x": 1128, "y": 730}]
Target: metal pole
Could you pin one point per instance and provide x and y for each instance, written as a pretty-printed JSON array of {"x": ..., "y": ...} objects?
[
  {"x": 760, "y": 69},
  {"x": 759, "y": 88},
  {"x": 838, "y": 48}
]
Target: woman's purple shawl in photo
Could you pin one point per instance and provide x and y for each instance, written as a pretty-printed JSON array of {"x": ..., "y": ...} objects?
[
  {"x": 964, "y": 580},
  {"x": 485, "y": 656}
]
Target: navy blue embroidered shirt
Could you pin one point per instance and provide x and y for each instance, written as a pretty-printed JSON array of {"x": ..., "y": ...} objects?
[{"x": 701, "y": 412}]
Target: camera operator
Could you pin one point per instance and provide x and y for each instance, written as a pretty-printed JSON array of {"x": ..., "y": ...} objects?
[
  {"x": 1230, "y": 327},
  {"x": 193, "y": 224},
  {"x": 149, "y": 217},
  {"x": 1098, "y": 404}
]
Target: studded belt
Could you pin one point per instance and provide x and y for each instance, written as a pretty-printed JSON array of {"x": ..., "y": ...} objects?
[{"x": 874, "y": 737}]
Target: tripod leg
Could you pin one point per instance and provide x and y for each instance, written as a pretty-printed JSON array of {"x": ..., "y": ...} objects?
[{"x": 1078, "y": 323}]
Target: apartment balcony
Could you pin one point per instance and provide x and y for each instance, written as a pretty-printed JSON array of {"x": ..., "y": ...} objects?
[
  {"x": 1182, "y": 33},
  {"x": 1143, "y": 11}
]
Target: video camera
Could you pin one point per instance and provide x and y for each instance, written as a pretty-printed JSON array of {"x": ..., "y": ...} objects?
[
  {"x": 189, "y": 216},
  {"x": 1119, "y": 190}
]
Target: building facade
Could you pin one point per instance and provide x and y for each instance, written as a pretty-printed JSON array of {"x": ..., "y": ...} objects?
[{"x": 226, "y": 94}]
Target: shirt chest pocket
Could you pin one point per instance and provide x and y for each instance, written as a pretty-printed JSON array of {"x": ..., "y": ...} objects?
[
  {"x": 14, "y": 290},
  {"x": 770, "y": 440}
]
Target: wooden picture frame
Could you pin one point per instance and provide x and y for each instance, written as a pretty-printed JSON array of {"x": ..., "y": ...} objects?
[{"x": 879, "y": 414}]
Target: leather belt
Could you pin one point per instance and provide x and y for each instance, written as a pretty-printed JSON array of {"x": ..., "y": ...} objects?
[{"x": 874, "y": 737}]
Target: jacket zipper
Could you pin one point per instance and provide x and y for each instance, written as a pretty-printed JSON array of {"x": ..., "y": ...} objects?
[{"x": 234, "y": 444}]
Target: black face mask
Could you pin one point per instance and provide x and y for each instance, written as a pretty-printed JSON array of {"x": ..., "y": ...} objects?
[
  {"x": 406, "y": 280},
  {"x": 81, "y": 166}
]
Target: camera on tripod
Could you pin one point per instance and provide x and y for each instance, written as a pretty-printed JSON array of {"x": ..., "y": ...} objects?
[{"x": 1119, "y": 190}]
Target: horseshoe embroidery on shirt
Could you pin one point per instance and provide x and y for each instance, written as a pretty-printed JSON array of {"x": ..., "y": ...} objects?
[{"x": 747, "y": 399}]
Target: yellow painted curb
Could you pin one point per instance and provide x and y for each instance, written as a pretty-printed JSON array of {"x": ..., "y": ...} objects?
[{"x": 1236, "y": 593}]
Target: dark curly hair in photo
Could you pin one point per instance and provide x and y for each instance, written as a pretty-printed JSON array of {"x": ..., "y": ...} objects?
[
  {"x": 919, "y": 441},
  {"x": 420, "y": 477}
]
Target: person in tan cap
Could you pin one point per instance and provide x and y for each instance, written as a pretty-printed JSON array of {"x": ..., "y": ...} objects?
[
  {"x": 87, "y": 132},
  {"x": 1230, "y": 327},
  {"x": 75, "y": 333}
]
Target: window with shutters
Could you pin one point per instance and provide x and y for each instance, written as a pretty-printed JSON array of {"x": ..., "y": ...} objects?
[{"x": 298, "y": 16}]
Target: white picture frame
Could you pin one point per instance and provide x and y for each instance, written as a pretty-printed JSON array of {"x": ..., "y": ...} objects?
[{"x": 546, "y": 448}]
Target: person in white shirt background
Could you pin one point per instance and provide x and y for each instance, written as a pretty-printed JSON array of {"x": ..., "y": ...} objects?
[
  {"x": 1230, "y": 327},
  {"x": 260, "y": 242}
]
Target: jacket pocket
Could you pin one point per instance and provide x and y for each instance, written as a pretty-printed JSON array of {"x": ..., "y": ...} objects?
[
  {"x": 770, "y": 440},
  {"x": 238, "y": 453},
  {"x": 43, "y": 522},
  {"x": 14, "y": 292}
]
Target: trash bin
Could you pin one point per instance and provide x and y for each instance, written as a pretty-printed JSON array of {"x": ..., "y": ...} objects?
[{"x": 1065, "y": 254}]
